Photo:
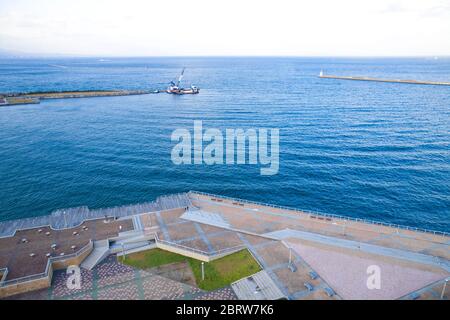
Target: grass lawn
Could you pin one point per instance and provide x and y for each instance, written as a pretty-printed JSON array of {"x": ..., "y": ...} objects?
[
  {"x": 218, "y": 273},
  {"x": 151, "y": 258}
]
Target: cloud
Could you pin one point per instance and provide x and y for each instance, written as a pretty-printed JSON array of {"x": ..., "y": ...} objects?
[
  {"x": 441, "y": 10},
  {"x": 234, "y": 27},
  {"x": 394, "y": 7},
  {"x": 429, "y": 8}
]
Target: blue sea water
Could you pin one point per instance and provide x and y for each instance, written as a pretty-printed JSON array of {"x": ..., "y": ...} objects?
[{"x": 361, "y": 149}]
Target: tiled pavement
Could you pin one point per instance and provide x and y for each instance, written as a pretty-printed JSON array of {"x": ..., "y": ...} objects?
[
  {"x": 278, "y": 268},
  {"x": 111, "y": 280},
  {"x": 192, "y": 234},
  {"x": 220, "y": 294},
  {"x": 272, "y": 255}
]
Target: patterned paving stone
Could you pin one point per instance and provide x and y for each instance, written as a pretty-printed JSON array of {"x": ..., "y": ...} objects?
[
  {"x": 111, "y": 280},
  {"x": 115, "y": 279},
  {"x": 83, "y": 296},
  {"x": 110, "y": 267},
  {"x": 159, "y": 288},
  {"x": 221, "y": 294},
  {"x": 59, "y": 283},
  {"x": 124, "y": 291},
  {"x": 111, "y": 272}
]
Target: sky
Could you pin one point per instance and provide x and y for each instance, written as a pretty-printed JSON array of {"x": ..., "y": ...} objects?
[{"x": 228, "y": 27}]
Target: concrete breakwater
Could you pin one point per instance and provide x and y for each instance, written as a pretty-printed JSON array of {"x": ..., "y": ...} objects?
[
  {"x": 436, "y": 83},
  {"x": 36, "y": 97}
]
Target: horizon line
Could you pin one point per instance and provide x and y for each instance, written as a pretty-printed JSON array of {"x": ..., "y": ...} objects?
[{"x": 37, "y": 55}]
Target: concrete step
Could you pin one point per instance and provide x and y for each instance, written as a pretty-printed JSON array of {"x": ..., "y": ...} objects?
[
  {"x": 118, "y": 247},
  {"x": 128, "y": 234},
  {"x": 100, "y": 252},
  {"x": 101, "y": 243},
  {"x": 138, "y": 249},
  {"x": 137, "y": 238},
  {"x": 137, "y": 223}
]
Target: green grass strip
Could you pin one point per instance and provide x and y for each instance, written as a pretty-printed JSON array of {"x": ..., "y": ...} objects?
[{"x": 218, "y": 273}]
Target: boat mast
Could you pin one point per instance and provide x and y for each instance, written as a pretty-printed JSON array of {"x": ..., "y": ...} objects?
[{"x": 180, "y": 77}]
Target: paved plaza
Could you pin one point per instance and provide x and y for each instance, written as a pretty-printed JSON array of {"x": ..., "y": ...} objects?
[
  {"x": 272, "y": 255},
  {"x": 307, "y": 256},
  {"x": 112, "y": 280}
]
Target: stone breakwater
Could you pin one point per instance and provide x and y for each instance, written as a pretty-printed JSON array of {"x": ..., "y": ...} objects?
[
  {"x": 435, "y": 83},
  {"x": 36, "y": 97}
]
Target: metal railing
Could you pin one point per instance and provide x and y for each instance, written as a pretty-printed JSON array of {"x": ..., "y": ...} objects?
[
  {"x": 47, "y": 267},
  {"x": 62, "y": 219},
  {"x": 4, "y": 273},
  {"x": 373, "y": 222},
  {"x": 199, "y": 251}
]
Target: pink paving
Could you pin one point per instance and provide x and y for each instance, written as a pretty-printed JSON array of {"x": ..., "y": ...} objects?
[{"x": 346, "y": 273}]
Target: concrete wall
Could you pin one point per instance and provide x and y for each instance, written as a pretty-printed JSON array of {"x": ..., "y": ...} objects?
[
  {"x": 221, "y": 255},
  {"x": 43, "y": 282},
  {"x": 193, "y": 254},
  {"x": 183, "y": 252},
  {"x": 3, "y": 274},
  {"x": 26, "y": 286},
  {"x": 63, "y": 264}
]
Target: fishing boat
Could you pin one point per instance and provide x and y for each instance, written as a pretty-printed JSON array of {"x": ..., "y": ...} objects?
[{"x": 174, "y": 88}]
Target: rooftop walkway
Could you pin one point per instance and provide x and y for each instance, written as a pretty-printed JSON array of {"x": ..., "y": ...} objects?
[
  {"x": 366, "y": 247},
  {"x": 73, "y": 217}
]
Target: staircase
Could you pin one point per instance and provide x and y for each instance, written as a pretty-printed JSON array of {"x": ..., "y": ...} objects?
[
  {"x": 137, "y": 223},
  {"x": 138, "y": 248},
  {"x": 133, "y": 242},
  {"x": 100, "y": 252}
]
